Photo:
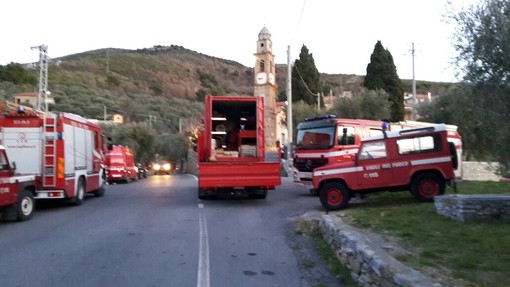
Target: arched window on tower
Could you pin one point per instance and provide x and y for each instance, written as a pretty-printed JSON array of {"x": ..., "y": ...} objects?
[{"x": 261, "y": 65}]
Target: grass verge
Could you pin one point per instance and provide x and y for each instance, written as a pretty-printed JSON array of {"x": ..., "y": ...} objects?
[{"x": 472, "y": 253}]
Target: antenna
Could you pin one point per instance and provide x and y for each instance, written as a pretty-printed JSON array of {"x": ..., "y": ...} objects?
[
  {"x": 43, "y": 76},
  {"x": 413, "y": 114}
]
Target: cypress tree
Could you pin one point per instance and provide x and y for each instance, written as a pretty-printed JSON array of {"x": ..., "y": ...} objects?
[
  {"x": 305, "y": 78},
  {"x": 382, "y": 74}
]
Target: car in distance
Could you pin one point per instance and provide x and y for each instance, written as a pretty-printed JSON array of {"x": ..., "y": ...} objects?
[{"x": 162, "y": 167}]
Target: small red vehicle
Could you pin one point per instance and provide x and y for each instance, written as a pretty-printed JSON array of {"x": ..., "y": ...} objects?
[
  {"x": 419, "y": 159},
  {"x": 17, "y": 191},
  {"x": 120, "y": 164}
]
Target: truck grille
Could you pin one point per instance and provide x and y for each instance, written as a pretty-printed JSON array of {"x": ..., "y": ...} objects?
[{"x": 304, "y": 164}]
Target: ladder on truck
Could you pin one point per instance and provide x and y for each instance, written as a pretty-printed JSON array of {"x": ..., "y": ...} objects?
[{"x": 49, "y": 150}]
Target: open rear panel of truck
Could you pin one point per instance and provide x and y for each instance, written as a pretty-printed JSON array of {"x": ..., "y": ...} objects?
[
  {"x": 235, "y": 126},
  {"x": 232, "y": 146}
]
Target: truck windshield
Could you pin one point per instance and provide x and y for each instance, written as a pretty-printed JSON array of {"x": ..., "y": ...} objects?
[{"x": 315, "y": 138}]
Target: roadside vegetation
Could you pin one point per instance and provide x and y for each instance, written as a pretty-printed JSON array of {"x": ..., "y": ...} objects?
[{"x": 455, "y": 253}]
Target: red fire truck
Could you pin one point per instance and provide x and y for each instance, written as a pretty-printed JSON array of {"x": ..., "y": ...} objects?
[
  {"x": 232, "y": 153},
  {"x": 120, "y": 164},
  {"x": 327, "y": 139},
  {"x": 64, "y": 151},
  {"x": 418, "y": 159},
  {"x": 16, "y": 191}
]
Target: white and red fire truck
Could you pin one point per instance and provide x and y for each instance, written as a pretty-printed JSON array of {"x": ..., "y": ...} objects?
[
  {"x": 64, "y": 151},
  {"x": 16, "y": 191},
  {"x": 327, "y": 140}
]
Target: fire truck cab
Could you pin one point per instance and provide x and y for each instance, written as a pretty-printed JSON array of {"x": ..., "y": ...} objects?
[
  {"x": 418, "y": 159},
  {"x": 17, "y": 192},
  {"x": 326, "y": 140}
]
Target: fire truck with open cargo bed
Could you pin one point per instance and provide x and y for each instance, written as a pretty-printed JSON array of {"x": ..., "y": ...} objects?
[
  {"x": 327, "y": 139},
  {"x": 233, "y": 155},
  {"x": 63, "y": 151}
]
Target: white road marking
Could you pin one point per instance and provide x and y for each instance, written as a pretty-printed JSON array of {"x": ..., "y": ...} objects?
[{"x": 203, "y": 251}]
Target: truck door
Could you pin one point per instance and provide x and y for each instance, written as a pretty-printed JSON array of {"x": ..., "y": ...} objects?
[{"x": 377, "y": 171}]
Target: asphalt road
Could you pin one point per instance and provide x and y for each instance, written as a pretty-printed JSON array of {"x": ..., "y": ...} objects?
[{"x": 156, "y": 232}]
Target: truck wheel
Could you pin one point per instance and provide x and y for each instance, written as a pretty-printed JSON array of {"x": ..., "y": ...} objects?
[
  {"x": 258, "y": 195},
  {"x": 80, "y": 193},
  {"x": 425, "y": 186},
  {"x": 25, "y": 205},
  {"x": 453, "y": 152},
  {"x": 334, "y": 196},
  {"x": 100, "y": 192},
  {"x": 202, "y": 194}
]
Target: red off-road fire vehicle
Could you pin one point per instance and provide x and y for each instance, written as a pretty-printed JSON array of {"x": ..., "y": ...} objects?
[{"x": 419, "y": 159}]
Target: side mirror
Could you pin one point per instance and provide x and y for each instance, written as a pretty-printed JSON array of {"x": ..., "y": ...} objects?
[
  {"x": 13, "y": 165},
  {"x": 109, "y": 146}
]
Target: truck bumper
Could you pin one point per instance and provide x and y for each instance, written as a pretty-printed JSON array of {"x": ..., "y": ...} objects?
[{"x": 239, "y": 175}]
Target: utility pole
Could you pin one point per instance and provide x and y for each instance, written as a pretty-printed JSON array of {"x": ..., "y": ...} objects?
[
  {"x": 43, "y": 77},
  {"x": 413, "y": 114},
  {"x": 289, "y": 109}
]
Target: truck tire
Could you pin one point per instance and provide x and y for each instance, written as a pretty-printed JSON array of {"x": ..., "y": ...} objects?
[
  {"x": 202, "y": 194},
  {"x": 257, "y": 194},
  {"x": 453, "y": 152},
  {"x": 427, "y": 185},
  {"x": 80, "y": 193},
  {"x": 100, "y": 191},
  {"x": 334, "y": 196},
  {"x": 25, "y": 206}
]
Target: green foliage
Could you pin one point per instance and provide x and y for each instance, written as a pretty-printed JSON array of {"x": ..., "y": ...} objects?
[
  {"x": 483, "y": 47},
  {"x": 139, "y": 137},
  {"x": 305, "y": 78},
  {"x": 174, "y": 147},
  {"x": 382, "y": 74},
  {"x": 112, "y": 81},
  {"x": 206, "y": 80},
  {"x": 17, "y": 74},
  {"x": 300, "y": 111},
  {"x": 477, "y": 252},
  {"x": 158, "y": 90},
  {"x": 456, "y": 106},
  {"x": 368, "y": 104}
]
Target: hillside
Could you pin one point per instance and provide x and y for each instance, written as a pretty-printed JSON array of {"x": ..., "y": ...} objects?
[{"x": 162, "y": 84}]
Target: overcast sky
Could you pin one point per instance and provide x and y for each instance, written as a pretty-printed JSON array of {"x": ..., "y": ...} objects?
[{"x": 341, "y": 34}]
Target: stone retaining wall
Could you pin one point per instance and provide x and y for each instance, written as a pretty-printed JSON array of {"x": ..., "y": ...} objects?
[
  {"x": 474, "y": 207},
  {"x": 369, "y": 263},
  {"x": 480, "y": 171}
]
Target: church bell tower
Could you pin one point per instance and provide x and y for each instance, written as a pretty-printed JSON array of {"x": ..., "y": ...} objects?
[{"x": 265, "y": 85}]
